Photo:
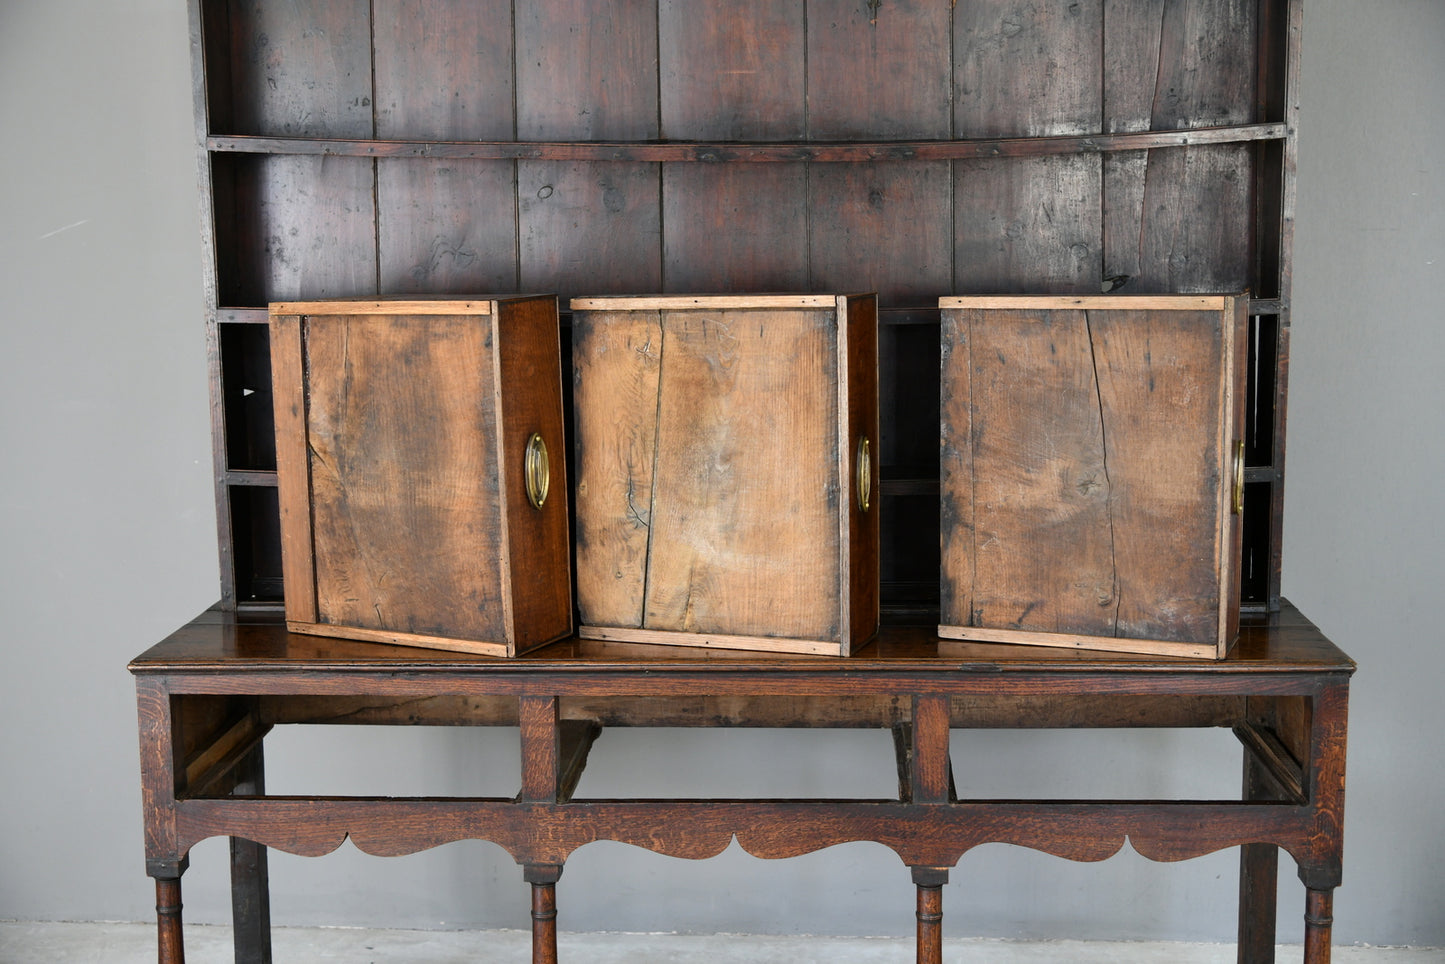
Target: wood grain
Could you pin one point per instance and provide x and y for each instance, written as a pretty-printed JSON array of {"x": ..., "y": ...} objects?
[
  {"x": 1086, "y": 467},
  {"x": 446, "y": 226},
  {"x": 931, "y": 775},
  {"x": 880, "y": 227},
  {"x": 869, "y": 77},
  {"x": 701, "y": 302},
  {"x": 293, "y": 467},
  {"x": 732, "y": 72},
  {"x": 441, "y": 305},
  {"x": 301, "y": 70},
  {"x": 1031, "y": 225},
  {"x": 587, "y": 70},
  {"x": 1162, "y": 386},
  {"x": 744, "y": 536},
  {"x": 862, "y": 528},
  {"x": 735, "y": 228},
  {"x": 1195, "y": 230},
  {"x": 404, "y": 482},
  {"x": 616, "y": 363},
  {"x": 1043, "y": 527},
  {"x": 1024, "y": 69},
  {"x": 443, "y": 69},
  {"x": 541, "y": 748},
  {"x": 956, "y": 484},
  {"x": 305, "y": 228},
  {"x": 528, "y": 380},
  {"x": 590, "y": 228}
]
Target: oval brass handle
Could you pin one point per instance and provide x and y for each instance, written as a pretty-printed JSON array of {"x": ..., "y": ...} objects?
[
  {"x": 864, "y": 474},
  {"x": 536, "y": 471},
  {"x": 1237, "y": 499}
]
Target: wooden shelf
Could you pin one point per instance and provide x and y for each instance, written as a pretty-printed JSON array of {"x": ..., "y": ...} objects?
[
  {"x": 780, "y": 152},
  {"x": 919, "y": 154}
]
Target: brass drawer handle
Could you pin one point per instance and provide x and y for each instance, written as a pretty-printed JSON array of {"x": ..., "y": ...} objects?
[
  {"x": 1237, "y": 502},
  {"x": 536, "y": 471},
  {"x": 865, "y": 474}
]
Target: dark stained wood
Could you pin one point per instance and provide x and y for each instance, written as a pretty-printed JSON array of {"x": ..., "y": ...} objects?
[
  {"x": 544, "y": 911},
  {"x": 1031, "y": 225},
  {"x": 1272, "y": 648},
  {"x": 160, "y": 741},
  {"x": 1194, "y": 236},
  {"x": 541, "y": 748},
  {"x": 575, "y": 739},
  {"x": 587, "y": 71},
  {"x": 1027, "y": 69},
  {"x": 715, "y": 219},
  {"x": 1178, "y": 64},
  {"x": 879, "y": 227},
  {"x": 929, "y": 148},
  {"x": 529, "y": 398},
  {"x": 446, "y": 226},
  {"x": 902, "y": 733},
  {"x": 1274, "y": 763},
  {"x": 732, "y": 73},
  {"x": 1178, "y": 220},
  {"x": 930, "y": 914},
  {"x": 1258, "y": 882},
  {"x": 931, "y": 776},
  {"x": 862, "y": 529},
  {"x": 250, "y": 881},
  {"x": 170, "y": 947},
  {"x": 869, "y": 77},
  {"x": 303, "y": 228},
  {"x": 443, "y": 69},
  {"x": 712, "y": 152},
  {"x": 450, "y": 114},
  {"x": 921, "y": 835},
  {"x": 299, "y": 70},
  {"x": 974, "y": 712},
  {"x": 590, "y": 228},
  {"x": 1319, "y": 917},
  {"x": 1282, "y": 660}
]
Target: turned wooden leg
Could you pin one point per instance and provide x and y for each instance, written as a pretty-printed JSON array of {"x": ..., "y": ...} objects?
[
  {"x": 930, "y": 881},
  {"x": 1319, "y": 918},
  {"x": 170, "y": 949},
  {"x": 543, "y": 878}
]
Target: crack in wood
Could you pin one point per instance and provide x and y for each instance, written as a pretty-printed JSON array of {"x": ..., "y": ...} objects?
[{"x": 1104, "y": 461}]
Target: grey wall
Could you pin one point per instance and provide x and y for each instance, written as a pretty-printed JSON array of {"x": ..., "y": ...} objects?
[{"x": 107, "y": 542}]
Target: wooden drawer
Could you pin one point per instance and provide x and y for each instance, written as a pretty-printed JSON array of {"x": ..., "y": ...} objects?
[
  {"x": 1092, "y": 471},
  {"x": 726, "y": 458},
  {"x": 420, "y": 458}
]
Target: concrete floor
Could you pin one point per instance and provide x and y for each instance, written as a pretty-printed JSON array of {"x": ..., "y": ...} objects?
[{"x": 63, "y": 943}]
